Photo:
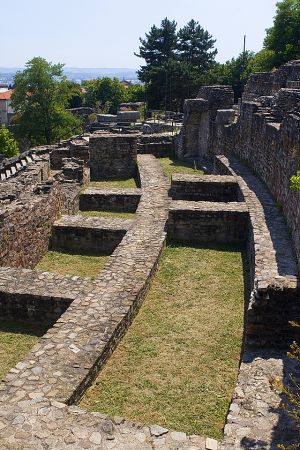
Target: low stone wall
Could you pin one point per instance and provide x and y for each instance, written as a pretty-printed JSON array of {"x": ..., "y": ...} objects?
[
  {"x": 123, "y": 200},
  {"x": 68, "y": 357},
  {"x": 113, "y": 156},
  {"x": 88, "y": 235},
  {"x": 73, "y": 150},
  {"x": 273, "y": 265},
  {"x": 25, "y": 227},
  {"x": 30, "y": 203},
  {"x": 208, "y": 222},
  {"x": 211, "y": 188},
  {"x": 33, "y": 308},
  {"x": 156, "y": 144},
  {"x": 10, "y": 167},
  {"x": 33, "y": 295},
  {"x": 269, "y": 83}
]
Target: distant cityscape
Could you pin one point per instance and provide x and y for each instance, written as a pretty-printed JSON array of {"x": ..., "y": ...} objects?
[{"x": 79, "y": 74}]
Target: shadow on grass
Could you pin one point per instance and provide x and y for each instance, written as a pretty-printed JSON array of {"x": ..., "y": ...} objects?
[{"x": 23, "y": 327}]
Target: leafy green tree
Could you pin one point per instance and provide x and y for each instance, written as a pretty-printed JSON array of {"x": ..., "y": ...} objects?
[
  {"x": 8, "y": 146},
  {"x": 75, "y": 94},
  {"x": 136, "y": 93},
  {"x": 40, "y": 99},
  {"x": 105, "y": 94},
  {"x": 234, "y": 72},
  {"x": 283, "y": 38},
  {"x": 262, "y": 61}
]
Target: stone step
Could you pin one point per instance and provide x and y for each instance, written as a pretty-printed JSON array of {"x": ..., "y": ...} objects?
[
  {"x": 88, "y": 235},
  {"x": 27, "y": 294},
  {"x": 212, "y": 188},
  {"x": 208, "y": 221},
  {"x": 122, "y": 200}
]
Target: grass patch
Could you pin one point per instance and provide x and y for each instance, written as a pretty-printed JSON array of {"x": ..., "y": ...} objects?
[
  {"x": 16, "y": 339},
  {"x": 72, "y": 264},
  {"x": 171, "y": 165},
  {"x": 114, "y": 214},
  {"x": 178, "y": 363},
  {"x": 110, "y": 184}
]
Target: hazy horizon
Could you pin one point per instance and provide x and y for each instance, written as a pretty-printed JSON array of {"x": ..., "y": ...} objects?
[
  {"x": 77, "y": 68},
  {"x": 101, "y": 34}
]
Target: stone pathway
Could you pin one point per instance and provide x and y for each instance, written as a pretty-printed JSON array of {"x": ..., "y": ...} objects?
[
  {"x": 35, "y": 393},
  {"x": 255, "y": 420}
]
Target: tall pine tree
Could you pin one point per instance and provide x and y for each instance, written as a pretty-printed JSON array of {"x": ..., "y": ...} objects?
[
  {"x": 175, "y": 62},
  {"x": 158, "y": 48}
]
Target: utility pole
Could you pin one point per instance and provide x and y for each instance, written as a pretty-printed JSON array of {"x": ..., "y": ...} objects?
[{"x": 242, "y": 84}]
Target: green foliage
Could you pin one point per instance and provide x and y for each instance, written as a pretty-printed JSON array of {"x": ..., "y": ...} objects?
[
  {"x": 284, "y": 37},
  {"x": 175, "y": 62},
  {"x": 159, "y": 45},
  {"x": 40, "y": 100},
  {"x": 234, "y": 73},
  {"x": 136, "y": 93},
  {"x": 196, "y": 46},
  {"x": 295, "y": 181},
  {"x": 75, "y": 94},
  {"x": 92, "y": 118},
  {"x": 105, "y": 94},
  {"x": 8, "y": 146},
  {"x": 263, "y": 61}
]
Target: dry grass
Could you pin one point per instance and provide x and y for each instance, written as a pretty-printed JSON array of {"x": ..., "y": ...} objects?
[
  {"x": 178, "y": 363},
  {"x": 16, "y": 339},
  {"x": 72, "y": 264},
  {"x": 110, "y": 184},
  {"x": 171, "y": 165},
  {"x": 113, "y": 214}
]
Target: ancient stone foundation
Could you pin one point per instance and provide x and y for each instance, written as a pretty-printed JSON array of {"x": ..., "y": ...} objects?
[
  {"x": 108, "y": 148},
  {"x": 252, "y": 152},
  {"x": 123, "y": 200}
]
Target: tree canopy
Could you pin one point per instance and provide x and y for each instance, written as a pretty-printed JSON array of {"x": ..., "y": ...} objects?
[
  {"x": 105, "y": 94},
  {"x": 283, "y": 38},
  {"x": 196, "y": 46},
  {"x": 234, "y": 73},
  {"x": 175, "y": 62},
  {"x": 40, "y": 99},
  {"x": 8, "y": 146}
]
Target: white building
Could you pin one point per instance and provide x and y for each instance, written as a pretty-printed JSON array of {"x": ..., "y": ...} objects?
[{"x": 6, "y": 111}]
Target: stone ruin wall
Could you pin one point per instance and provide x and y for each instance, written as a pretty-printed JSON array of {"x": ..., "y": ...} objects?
[
  {"x": 264, "y": 133},
  {"x": 29, "y": 204},
  {"x": 202, "y": 209},
  {"x": 32, "y": 199}
]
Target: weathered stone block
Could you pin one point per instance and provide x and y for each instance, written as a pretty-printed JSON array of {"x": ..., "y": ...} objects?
[{"x": 113, "y": 156}]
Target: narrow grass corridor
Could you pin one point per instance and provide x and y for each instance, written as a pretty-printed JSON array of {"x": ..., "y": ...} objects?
[{"x": 177, "y": 365}]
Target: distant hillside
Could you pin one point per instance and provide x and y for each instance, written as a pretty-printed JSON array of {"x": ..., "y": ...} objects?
[{"x": 78, "y": 74}]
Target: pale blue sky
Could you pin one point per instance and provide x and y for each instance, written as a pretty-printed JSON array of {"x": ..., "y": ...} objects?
[{"x": 105, "y": 33}]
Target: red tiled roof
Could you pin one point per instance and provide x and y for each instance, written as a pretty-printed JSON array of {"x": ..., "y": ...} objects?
[{"x": 6, "y": 95}]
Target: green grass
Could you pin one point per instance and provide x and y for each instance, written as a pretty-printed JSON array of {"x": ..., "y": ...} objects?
[
  {"x": 113, "y": 214},
  {"x": 16, "y": 339},
  {"x": 171, "y": 165},
  {"x": 72, "y": 264},
  {"x": 110, "y": 184},
  {"x": 177, "y": 365}
]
